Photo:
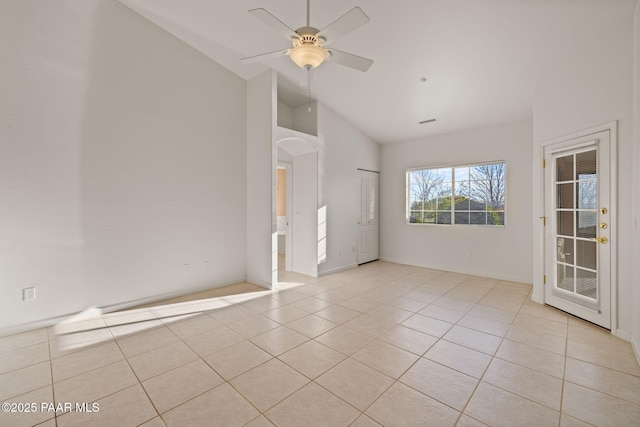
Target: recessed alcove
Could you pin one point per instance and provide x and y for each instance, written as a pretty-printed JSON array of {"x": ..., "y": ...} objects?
[{"x": 296, "y": 111}]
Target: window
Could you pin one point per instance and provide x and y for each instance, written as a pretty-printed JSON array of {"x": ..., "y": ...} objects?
[{"x": 473, "y": 195}]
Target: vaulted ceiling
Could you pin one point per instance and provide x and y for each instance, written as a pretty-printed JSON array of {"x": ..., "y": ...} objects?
[{"x": 481, "y": 58}]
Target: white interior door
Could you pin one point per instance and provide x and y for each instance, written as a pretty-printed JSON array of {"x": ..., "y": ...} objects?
[
  {"x": 578, "y": 230},
  {"x": 368, "y": 217}
]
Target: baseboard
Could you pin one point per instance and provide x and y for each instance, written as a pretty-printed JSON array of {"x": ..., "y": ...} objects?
[
  {"x": 622, "y": 334},
  {"x": 635, "y": 345},
  {"x": 259, "y": 282},
  {"x": 45, "y": 323},
  {"x": 169, "y": 295},
  {"x": 306, "y": 273},
  {"x": 519, "y": 279},
  {"x": 337, "y": 269},
  {"x": 36, "y": 324}
]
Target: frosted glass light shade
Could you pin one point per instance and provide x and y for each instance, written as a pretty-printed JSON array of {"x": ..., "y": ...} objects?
[{"x": 308, "y": 56}]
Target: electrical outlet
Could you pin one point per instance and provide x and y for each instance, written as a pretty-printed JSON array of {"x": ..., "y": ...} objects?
[
  {"x": 187, "y": 268},
  {"x": 340, "y": 252},
  {"x": 469, "y": 254},
  {"x": 205, "y": 265},
  {"x": 29, "y": 294}
]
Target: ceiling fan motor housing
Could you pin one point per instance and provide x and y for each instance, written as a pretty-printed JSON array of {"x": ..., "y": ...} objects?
[{"x": 307, "y": 50}]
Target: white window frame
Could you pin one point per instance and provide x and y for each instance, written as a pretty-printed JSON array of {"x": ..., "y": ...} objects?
[{"x": 454, "y": 182}]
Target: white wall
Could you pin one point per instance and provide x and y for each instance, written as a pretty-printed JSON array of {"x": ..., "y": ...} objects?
[
  {"x": 503, "y": 253},
  {"x": 590, "y": 86},
  {"x": 285, "y": 115},
  {"x": 635, "y": 307},
  {"x": 262, "y": 240},
  {"x": 305, "y": 213},
  {"x": 344, "y": 149},
  {"x": 122, "y": 157},
  {"x": 304, "y": 120}
]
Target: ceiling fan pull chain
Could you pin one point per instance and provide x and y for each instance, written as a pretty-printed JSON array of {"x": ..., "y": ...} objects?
[
  {"x": 308, "y": 13},
  {"x": 309, "y": 88}
]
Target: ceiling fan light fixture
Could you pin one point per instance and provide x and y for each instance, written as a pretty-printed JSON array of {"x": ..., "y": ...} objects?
[{"x": 308, "y": 56}]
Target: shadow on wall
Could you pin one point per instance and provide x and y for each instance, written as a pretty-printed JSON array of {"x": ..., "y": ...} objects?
[
  {"x": 162, "y": 164},
  {"x": 123, "y": 159}
]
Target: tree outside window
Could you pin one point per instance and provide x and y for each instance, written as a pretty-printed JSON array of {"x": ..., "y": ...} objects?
[{"x": 473, "y": 195}]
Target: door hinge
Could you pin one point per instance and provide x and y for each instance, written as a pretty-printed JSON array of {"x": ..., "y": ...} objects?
[
  {"x": 544, "y": 279},
  {"x": 544, "y": 221},
  {"x": 544, "y": 163}
]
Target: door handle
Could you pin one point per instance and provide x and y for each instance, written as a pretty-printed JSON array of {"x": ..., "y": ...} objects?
[{"x": 602, "y": 240}]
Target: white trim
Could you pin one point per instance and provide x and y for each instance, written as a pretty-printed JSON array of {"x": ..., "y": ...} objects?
[
  {"x": 288, "y": 248},
  {"x": 539, "y": 264},
  {"x": 636, "y": 348},
  {"x": 284, "y": 138},
  {"x": 336, "y": 269},
  {"x": 45, "y": 323},
  {"x": 31, "y": 326},
  {"x": 453, "y": 165},
  {"x": 507, "y": 278},
  {"x": 613, "y": 201},
  {"x": 261, "y": 283},
  {"x": 569, "y": 147},
  {"x": 582, "y": 133},
  {"x": 169, "y": 295},
  {"x": 307, "y": 273},
  {"x": 622, "y": 334},
  {"x": 454, "y": 181},
  {"x": 538, "y": 271}
]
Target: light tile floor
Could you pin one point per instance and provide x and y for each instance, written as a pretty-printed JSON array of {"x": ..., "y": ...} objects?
[{"x": 382, "y": 344}]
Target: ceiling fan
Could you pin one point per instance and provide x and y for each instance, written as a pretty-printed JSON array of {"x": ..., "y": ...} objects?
[{"x": 308, "y": 50}]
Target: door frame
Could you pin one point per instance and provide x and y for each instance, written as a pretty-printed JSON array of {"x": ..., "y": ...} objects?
[
  {"x": 359, "y": 225},
  {"x": 612, "y": 128},
  {"x": 288, "y": 247},
  {"x": 297, "y": 144}
]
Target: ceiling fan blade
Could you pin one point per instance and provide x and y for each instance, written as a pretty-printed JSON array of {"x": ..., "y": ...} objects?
[
  {"x": 348, "y": 22},
  {"x": 350, "y": 60},
  {"x": 263, "y": 56},
  {"x": 273, "y": 22}
]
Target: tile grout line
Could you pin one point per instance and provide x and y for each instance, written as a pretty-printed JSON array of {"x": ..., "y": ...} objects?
[
  {"x": 382, "y": 299},
  {"x": 564, "y": 372},
  {"x": 411, "y": 366},
  {"x": 53, "y": 389},
  {"x": 30, "y": 364},
  {"x": 136, "y": 376},
  {"x": 417, "y": 360},
  {"x": 466, "y": 405}
]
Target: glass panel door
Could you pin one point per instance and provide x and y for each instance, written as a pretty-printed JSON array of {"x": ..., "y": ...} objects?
[
  {"x": 576, "y": 178},
  {"x": 577, "y": 238}
]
